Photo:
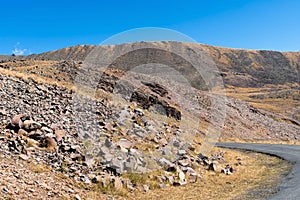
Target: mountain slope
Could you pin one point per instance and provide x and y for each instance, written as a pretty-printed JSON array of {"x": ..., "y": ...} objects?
[
  {"x": 243, "y": 121},
  {"x": 241, "y": 68}
]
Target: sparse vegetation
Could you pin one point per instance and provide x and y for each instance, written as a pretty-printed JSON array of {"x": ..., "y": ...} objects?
[{"x": 257, "y": 171}]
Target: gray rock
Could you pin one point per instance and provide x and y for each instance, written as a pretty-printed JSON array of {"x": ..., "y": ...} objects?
[
  {"x": 166, "y": 164},
  {"x": 181, "y": 176},
  {"x": 181, "y": 152},
  {"x": 170, "y": 179},
  {"x": 30, "y": 125},
  {"x": 47, "y": 130},
  {"x": 125, "y": 143},
  {"x": 130, "y": 164},
  {"x": 190, "y": 170},
  {"x": 139, "y": 111},
  {"x": 212, "y": 166},
  {"x": 117, "y": 164},
  {"x": 184, "y": 162},
  {"x": 77, "y": 197},
  {"x": 24, "y": 157}
]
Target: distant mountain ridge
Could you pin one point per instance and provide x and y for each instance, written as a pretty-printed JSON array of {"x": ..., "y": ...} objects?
[{"x": 238, "y": 67}]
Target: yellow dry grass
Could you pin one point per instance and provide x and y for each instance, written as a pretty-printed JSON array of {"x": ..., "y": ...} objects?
[
  {"x": 36, "y": 78},
  {"x": 238, "y": 140},
  {"x": 254, "y": 173}
]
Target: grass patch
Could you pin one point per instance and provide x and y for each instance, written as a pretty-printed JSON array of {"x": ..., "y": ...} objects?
[
  {"x": 137, "y": 178},
  {"x": 38, "y": 168},
  {"x": 257, "y": 171}
]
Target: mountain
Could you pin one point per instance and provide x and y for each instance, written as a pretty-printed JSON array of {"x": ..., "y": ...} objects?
[
  {"x": 266, "y": 82},
  {"x": 143, "y": 116},
  {"x": 241, "y": 68},
  {"x": 266, "y": 79}
]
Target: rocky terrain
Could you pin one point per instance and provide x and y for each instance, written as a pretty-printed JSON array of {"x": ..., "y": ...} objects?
[
  {"x": 261, "y": 71},
  {"x": 95, "y": 134}
]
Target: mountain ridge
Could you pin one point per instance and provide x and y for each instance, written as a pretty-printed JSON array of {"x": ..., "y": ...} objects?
[{"x": 242, "y": 68}]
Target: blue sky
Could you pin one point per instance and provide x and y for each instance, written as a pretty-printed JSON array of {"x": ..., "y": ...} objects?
[{"x": 38, "y": 26}]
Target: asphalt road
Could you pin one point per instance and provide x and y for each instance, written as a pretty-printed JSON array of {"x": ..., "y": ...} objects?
[{"x": 290, "y": 189}]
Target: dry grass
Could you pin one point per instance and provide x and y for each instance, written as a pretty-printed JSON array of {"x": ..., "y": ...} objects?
[
  {"x": 282, "y": 106},
  {"x": 39, "y": 168},
  {"x": 290, "y": 142},
  {"x": 257, "y": 170},
  {"x": 37, "y": 78}
]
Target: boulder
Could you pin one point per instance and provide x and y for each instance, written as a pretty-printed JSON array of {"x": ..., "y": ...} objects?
[{"x": 30, "y": 125}]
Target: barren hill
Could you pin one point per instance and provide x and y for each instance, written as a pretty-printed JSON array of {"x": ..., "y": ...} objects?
[
  {"x": 241, "y": 68},
  {"x": 107, "y": 128},
  {"x": 268, "y": 80}
]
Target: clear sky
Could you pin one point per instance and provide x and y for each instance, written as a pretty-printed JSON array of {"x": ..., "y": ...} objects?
[{"x": 40, "y": 25}]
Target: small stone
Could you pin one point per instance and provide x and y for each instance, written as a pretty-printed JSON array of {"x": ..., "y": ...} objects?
[
  {"x": 171, "y": 179},
  {"x": 22, "y": 132},
  {"x": 75, "y": 156},
  {"x": 206, "y": 162},
  {"x": 5, "y": 190},
  {"x": 179, "y": 183},
  {"x": 190, "y": 170},
  {"x": 3, "y": 112},
  {"x": 125, "y": 143},
  {"x": 50, "y": 143},
  {"x": 212, "y": 167},
  {"x": 77, "y": 197},
  {"x": 181, "y": 176},
  {"x": 59, "y": 135},
  {"x": 146, "y": 188},
  {"x": 117, "y": 165},
  {"x": 24, "y": 157},
  {"x": 181, "y": 152},
  {"x": 30, "y": 125},
  {"x": 202, "y": 157},
  {"x": 16, "y": 120},
  {"x": 139, "y": 111},
  {"x": 226, "y": 171},
  {"x": 47, "y": 130},
  {"x": 166, "y": 164},
  {"x": 193, "y": 177},
  {"x": 71, "y": 190},
  {"x": 184, "y": 163}
]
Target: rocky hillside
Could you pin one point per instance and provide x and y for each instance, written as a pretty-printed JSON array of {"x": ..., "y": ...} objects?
[
  {"x": 272, "y": 78},
  {"x": 242, "y": 120},
  {"x": 108, "y": 126},
  {"x": 241, "y": 68}
]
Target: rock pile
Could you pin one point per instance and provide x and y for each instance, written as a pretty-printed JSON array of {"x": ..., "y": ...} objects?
[
  {"x": 37, "y": 142},
  {"x": 41, "y": 123}
]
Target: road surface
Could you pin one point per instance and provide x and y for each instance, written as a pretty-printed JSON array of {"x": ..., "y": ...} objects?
[{"x": 290, "y": 189}]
